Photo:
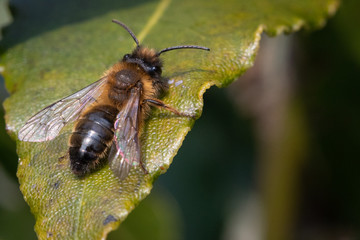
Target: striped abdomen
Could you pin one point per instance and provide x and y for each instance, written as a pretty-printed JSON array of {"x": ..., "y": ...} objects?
[{"x": 91, "y": 137}]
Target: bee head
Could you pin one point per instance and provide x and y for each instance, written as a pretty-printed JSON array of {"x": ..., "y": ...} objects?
[{"x": 147, "y": 59}]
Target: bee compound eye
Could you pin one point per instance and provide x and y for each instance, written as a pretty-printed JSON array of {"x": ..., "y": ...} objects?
[
  {"x": 154, "y": 70},
  {"x": 126, "y": 57}
]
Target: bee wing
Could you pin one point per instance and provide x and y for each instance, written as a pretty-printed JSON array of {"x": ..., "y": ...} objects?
[
  {"x": 125, "y": 149},
  {"x": 46, "y": 124}
]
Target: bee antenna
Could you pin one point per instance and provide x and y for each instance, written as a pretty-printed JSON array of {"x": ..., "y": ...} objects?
[
  {"x": 181, "y": 47},
  {"x": 127, "y": 29}
]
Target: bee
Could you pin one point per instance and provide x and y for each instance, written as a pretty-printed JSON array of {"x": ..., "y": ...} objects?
[{"x": 109, "y": 114}]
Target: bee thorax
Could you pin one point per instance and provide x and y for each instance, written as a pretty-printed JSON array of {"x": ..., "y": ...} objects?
[{"x": 126, "y": 78}]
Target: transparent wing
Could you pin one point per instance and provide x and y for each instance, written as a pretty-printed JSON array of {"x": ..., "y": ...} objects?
[
  {"x": 125, "y": 149},
  {"x": 46, "y": 124}
]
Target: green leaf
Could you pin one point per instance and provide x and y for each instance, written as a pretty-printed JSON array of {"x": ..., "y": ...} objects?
[{"x": 54, "y": 48}]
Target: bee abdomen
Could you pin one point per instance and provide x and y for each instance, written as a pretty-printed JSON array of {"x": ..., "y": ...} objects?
[{"x": 91, "y": 137}]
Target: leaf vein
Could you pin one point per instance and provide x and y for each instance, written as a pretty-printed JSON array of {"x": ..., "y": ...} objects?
[
  {"x": 78, "y": 214},
  {"x": 159, "y": 11}
]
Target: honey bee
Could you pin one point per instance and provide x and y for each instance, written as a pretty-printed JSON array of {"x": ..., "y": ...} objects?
[{"x": 109, "y": 113}]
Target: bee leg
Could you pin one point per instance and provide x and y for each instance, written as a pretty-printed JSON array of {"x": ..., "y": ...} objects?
[
  {"x": 61, "y": 164},
  {"x": 160, "y": 104},
  {"x": 60, "y": 159},
  {"x": 142, "y": 165}
]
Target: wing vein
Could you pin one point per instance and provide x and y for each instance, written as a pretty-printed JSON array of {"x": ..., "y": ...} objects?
[{"x": 46, "y": 124}]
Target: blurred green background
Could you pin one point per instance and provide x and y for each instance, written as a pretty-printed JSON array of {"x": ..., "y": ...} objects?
[{"x": 274, "y": 156}]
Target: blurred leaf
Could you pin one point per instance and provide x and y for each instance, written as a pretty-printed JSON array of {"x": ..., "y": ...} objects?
[
  {"x": 5, "y": 17},
  {"x": 55, "y": 48},
  {"x": 12, "y": 208}
]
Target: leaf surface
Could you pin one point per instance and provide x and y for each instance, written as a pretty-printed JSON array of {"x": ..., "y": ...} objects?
[{"x": 54, "y": 48}]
